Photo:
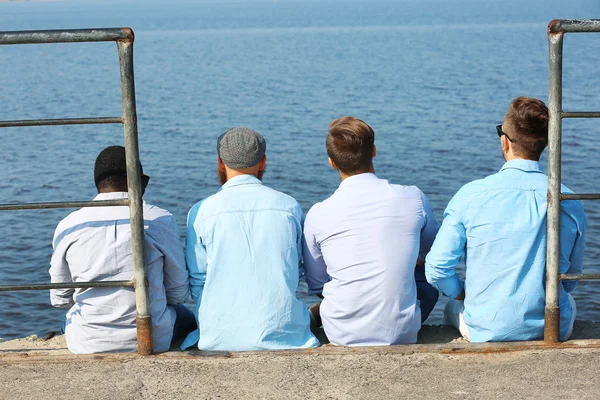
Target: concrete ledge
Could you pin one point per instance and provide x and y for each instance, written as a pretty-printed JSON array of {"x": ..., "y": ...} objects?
[{"x": 438, "y": 339}]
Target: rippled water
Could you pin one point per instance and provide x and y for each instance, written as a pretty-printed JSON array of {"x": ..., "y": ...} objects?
[{"x": 432, "y": 77}]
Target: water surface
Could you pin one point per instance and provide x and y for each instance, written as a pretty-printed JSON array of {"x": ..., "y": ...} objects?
[{"x": 432, "y": 77}]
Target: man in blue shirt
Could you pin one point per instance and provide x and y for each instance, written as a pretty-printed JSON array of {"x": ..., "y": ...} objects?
[
  {"x": 499, "y": 225},
  {"x": 244, "y": 248},
  {"x": 362, "y": 245}
]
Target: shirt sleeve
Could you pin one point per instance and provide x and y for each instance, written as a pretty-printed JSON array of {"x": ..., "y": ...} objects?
[
  {"x": 195, "y": 255},
  {"x": 447, "y": 250},
  {"x": 575, "y": 253},
  {"x": 430, "y": 228},
  {"x": 299, "y": 240},
  {"x": 176, "y": 280},
  {"x": 315, "y": 270},
  {"x": 60, "y": 273}
]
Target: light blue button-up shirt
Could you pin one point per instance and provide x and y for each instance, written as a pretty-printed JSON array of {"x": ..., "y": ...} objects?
[
  {"x": 244, "y": 248},
  {"x": 361, "y": 247},
  {"x": 499, "y": 225}
]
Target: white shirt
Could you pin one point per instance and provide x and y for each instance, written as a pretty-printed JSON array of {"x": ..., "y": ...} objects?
[
  {"x": 360, "y": 250},
  {"x": 94, "y": 244}
]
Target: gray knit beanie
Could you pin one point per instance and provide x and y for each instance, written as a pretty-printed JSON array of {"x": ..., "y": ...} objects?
[{"x": 241, "y": 147}]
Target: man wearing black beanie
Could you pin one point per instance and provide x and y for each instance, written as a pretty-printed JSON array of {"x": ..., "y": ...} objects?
[{"x": 94, "y": 244}]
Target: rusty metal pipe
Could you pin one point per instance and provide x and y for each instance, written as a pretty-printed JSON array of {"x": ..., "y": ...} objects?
[
  {"x": 580, "y": 196},
  {"x": 552, "y": 310},
  {"x": 62, "y": 121},
  {"x": 582, "y": 114},
  {"x": 577, "y": 277},
  {"x": 142, "y": 303},
  {"x": 64, "y": 204},
  {"x": 69, "y": 285},
  {"x": 66, "y": 36},
  {"x": 574, "y": 26}
]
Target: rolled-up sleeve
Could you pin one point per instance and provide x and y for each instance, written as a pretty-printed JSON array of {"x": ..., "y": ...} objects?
[
  {"x": 447, "y": 250},
  {"x": 576, "y": 250},
  {"x": 315, "y": 270},
  {"x": 195, "y": 255},
  {"x": 60, "y": 272},
  {"x": 176, "y": 280},
  {"x": 430, "y": 228}
]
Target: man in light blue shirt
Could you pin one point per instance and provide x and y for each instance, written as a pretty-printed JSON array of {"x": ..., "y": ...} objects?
[
  {"x": 361, "y": 246},
  {"x": 499, "y": 225},
  {"x": 244, "y": 248}
]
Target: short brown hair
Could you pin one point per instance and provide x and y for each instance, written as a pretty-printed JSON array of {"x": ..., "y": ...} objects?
[
  {"x": 350, "y": 145},
  {"x": 528, "y": 120}
]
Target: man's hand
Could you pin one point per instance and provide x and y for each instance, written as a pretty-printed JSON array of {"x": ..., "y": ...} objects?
[
  {"x": 461, "y": 296},
  {"x": 420, "y": 263}
]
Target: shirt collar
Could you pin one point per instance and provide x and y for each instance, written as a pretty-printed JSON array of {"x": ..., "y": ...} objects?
[
  {"x": 358, "y": 179},
  {"x": 241, "y": 180},
  {"x": 523, "y": 165},
  {"x": 111, "y": 196}
]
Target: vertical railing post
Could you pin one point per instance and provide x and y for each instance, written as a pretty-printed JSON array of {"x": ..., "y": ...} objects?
[
  {"x": 143, "y": 318},
  {"x": 552, "y": 309}
]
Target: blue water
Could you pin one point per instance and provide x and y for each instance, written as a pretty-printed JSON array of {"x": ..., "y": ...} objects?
[{"x": 432, "y": 77}]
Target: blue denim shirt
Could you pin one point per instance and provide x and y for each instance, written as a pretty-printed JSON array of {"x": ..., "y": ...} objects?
[
  {"x": 499, "y": 225},
  {"x": 244, "y": 248}
]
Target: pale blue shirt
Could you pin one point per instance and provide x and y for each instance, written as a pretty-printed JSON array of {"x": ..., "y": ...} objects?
[
  {"x": 244, "y": 247},
  {"x": 499, "y": 225},
  {"x": 360, "y": 250}
]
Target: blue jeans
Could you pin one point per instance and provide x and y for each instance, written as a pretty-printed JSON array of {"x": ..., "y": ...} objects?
[
  {"x": 184, "y": 323},
  {"x": 426, "y": 294}
]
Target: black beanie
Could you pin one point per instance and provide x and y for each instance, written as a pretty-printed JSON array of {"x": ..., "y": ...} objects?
[{"x": 111, "y": 162}]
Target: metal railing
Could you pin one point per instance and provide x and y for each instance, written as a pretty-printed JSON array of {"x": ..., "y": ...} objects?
[
  {"x": 124, "y": 38},
  {"x": 556, "y": 31}
]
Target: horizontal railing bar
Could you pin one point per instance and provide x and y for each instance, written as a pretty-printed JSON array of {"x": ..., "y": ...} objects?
[
  {"x": 61, "y": 121},
  {"x": 66, "y": 36},
  {"x": 580, "y": 196},
  {"x": 584, "y": 114},
  {"x": 64, "y": 204},
  {"x": 574, "y": 26},
  {"x": 577, "y": 277},
  {"x": 70, "y": 285}
]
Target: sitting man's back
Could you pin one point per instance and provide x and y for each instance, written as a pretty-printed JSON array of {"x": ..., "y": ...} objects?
[
  {"x": 499, "y": 225},
  {"x": 94, "y": 244},
  {"x": 362, "y": 245},
  {"x": 243, "y": 254}
]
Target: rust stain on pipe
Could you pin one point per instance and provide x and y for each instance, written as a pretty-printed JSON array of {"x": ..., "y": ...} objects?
[
  {"x": 130, "y": 36},
  {"x": 144, "y": 335},
  {"x": 554, "y": 26},
  {"x": 552, "y": 325}
]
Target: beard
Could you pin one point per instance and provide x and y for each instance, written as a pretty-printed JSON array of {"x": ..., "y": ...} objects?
[{"x": 222, "y": 175}]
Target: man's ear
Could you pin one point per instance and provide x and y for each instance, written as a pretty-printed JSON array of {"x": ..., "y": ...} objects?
[
  {"x": 263, "y": 163},
  {"x": 505, "y": 143},
  {"x": 332, "y": 163},
  {"x": 221, "y": 164},
  {"x": 374, "y": 151}
]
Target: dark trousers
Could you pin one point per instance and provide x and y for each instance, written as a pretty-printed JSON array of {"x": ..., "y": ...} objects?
[
  {"x": 426, "y": 294},
  {"x": 185, "y": 323}
]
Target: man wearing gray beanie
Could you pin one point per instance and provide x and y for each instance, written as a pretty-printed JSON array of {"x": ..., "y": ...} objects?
[{"x": 244, "y": 248}]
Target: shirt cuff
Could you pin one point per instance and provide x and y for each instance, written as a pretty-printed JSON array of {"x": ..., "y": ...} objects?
[{"x": 451, "y": 286}]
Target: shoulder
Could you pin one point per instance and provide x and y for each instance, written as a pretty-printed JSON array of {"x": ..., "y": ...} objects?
[
  {"x": 67, "y": 225},
  {"x": 155, "y": 216},
  {"x": 408, "y": 191}
]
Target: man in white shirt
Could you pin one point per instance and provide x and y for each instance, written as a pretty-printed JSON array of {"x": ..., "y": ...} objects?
[
  {"x": 361, "y": 246},
  {"x": 94, "y": 244}
]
